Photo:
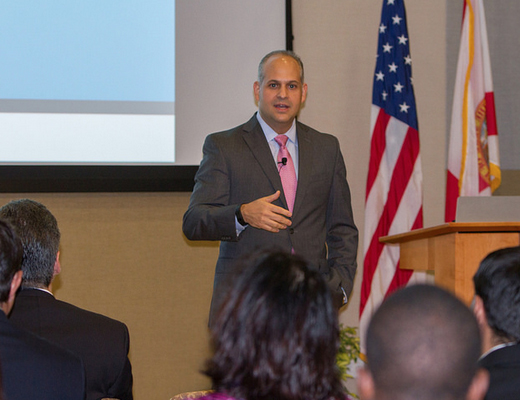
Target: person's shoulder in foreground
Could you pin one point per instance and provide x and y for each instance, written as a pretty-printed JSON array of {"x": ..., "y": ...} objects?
[
  {"x": 422, "y": 343},
  {"x": 33, "y": 368},
  {"x": 101, "y": 342},
  {"x": 497, "y": 309}
]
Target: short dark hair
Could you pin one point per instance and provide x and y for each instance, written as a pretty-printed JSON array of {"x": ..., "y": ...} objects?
[
  {"x": 289, "y": 53},
  {"x": 10, "y": 258},
  {"x": 40, "y": 236},
  {"x": 497, "y": 283},
  {"x": 423, "y": 343},
  {"x": 276, "y": 334}
]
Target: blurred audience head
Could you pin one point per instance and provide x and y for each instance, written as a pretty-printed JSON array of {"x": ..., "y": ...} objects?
[
  {"x": 276, "y": 335},
  {"x": 497, "y": 297},
  {"x": 10, "y": 265},
  {"x": 40, "y": 236},
  {"x": 422, "y": 343}
]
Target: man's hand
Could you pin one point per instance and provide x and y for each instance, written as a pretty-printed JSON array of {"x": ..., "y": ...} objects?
[{"x": 262, "y": 214}]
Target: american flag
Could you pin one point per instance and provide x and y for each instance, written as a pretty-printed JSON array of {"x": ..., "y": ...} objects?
[
  {"x": 473, "y": 159},
  {"x": 393, "y": 201}
]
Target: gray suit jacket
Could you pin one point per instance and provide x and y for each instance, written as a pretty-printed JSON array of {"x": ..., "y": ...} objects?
[{"x": 238, "y": 167}]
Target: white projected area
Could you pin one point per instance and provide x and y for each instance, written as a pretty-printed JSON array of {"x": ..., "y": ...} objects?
[
  {"x": 87, "y": 138},
  {"x": 127, "y": 82}
]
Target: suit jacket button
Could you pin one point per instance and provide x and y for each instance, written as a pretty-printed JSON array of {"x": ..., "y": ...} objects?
[{"x": 291, "y": 230}]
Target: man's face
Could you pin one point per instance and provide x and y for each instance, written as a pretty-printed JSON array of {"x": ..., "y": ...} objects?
[{"x": 281, "y": 93}]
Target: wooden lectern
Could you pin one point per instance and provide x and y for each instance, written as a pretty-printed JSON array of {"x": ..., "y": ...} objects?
[{"x": 454, "y": 251}]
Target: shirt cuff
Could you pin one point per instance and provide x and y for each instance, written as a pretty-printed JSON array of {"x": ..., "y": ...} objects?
[{"x": 345, "y": 297}]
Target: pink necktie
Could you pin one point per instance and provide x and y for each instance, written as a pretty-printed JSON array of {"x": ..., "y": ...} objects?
[{"x": 287, "y": 171}]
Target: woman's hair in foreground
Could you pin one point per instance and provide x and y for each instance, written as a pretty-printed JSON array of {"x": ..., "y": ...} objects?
[{"x": 276, "y": 335}]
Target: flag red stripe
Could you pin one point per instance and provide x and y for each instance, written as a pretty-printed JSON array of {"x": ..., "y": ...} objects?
[
  {"x": 377, "y": 148},
  {"x": 401, "y": 175}
]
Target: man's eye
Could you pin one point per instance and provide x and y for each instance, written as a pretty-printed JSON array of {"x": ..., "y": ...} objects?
[
  {"x": 292, "y": 86},
  {"x": 273, "y": 85}
]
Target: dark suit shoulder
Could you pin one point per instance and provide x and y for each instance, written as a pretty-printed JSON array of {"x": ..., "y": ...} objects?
[
  {"x": 69, "y": 326},
  {"x": 31, "y": 301},
  {"x": 504, "y": 369},
  {"x": 91, "y": 316},
  {"x": 503, "y": 357},
  {"x": 101, "y": 342},
  {"x": 31, "y": 367}
]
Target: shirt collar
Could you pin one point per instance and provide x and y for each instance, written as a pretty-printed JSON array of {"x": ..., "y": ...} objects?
[
  {"x": 497, "y": 347},
  {"x": 37, "y": 288},
  {"x": 270, "y": 134}
]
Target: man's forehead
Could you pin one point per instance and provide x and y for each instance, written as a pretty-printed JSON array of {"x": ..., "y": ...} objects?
[
  {"x": 282, "y": 73},
  {"x": 282, "y": 59}
]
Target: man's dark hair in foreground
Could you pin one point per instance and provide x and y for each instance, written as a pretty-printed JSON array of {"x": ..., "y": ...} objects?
[
  {"x": 497, "y": 308},
  {"x": 422, "y": 344},
  {"x": 101, "y": 342}
]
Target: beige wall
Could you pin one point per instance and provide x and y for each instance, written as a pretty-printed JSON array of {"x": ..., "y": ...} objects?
[{"x": 124, "y": 255}]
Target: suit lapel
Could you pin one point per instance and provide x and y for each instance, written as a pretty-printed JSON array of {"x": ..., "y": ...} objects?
[
  {"x": 255, "y": 139},
  {"x": 304, "y": 164}
]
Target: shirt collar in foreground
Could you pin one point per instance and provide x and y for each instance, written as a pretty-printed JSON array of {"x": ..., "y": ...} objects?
[
  {"x": 37, "y": 288},
  {"x": 495, "y": 348},
  {"x": 270, "y": 134}
]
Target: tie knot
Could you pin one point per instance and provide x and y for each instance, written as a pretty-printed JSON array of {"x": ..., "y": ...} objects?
[{"x": 281, "y": 140}]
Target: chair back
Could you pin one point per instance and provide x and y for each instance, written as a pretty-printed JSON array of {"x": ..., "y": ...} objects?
[{"x": 191, "y": 395}]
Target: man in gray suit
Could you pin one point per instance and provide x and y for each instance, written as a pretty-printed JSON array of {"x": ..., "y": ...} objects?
[{"x": 239, "y": 198}]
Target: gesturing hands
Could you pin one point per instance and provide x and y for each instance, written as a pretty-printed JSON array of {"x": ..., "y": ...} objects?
[{"x": 262, "y": 214}]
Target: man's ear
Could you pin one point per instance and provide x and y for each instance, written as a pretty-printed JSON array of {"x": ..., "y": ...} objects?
[
  {"x": 256, "y": 92},
  {"x": 365, "y": 384},
  {"x": 479, "y": 385},
  {"x": 304, "y": 93},
  {"x": 57, "y": 265},
  {"x": 479, "y": 311},
  {"x": 15, "y": 284}
]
